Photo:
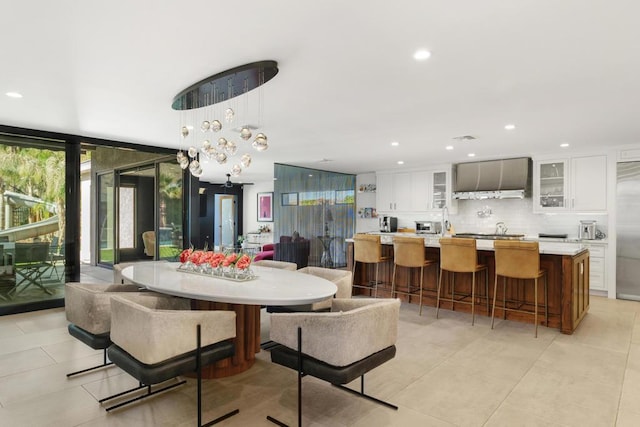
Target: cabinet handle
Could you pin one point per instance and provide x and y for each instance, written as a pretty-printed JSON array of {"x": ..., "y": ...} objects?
[
  {"x": 395, "y": 206},
  {"x": 573, "y": 203},
  {"x": 390, "y": 206}
]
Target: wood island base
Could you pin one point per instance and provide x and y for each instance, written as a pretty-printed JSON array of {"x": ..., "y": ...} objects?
[{"x": 567, "y": 275}]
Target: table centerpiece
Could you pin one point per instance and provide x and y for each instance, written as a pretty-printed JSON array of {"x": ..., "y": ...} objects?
[{"x": 231, "y": 266}]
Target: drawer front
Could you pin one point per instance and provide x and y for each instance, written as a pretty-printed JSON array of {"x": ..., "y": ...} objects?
[
  {"x": 596, "y": 251},
  {"x": 596, "y": 273},
  {"x": 596, "y": 266}
]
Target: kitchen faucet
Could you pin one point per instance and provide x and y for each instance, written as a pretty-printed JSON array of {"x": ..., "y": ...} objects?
[
  {"x": 501, "y": 228},
  {"x": 446, "y": 226}
]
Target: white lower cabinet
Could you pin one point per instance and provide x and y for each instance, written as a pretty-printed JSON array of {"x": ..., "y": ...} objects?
[{"x": 597, "y": 257}]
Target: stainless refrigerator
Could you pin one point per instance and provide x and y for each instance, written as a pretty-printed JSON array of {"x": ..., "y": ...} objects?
[{"x": 628, "y": 231}]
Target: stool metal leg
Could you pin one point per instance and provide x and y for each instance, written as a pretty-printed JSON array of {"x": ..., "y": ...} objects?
[
  {"x": 535, "y": 308},
  {"x": 473, "y": 298},
  {"x": 438, "y": 297},
  {"x": 495, "y": 294},
  {"x": 421, "y": 279}
]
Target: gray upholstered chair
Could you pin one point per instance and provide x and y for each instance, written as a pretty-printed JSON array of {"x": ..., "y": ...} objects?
[
  {"x": 343, "y": 279},
  {"x": 117, "y": 271},
  {"x": 339, "y": 346},
  {"x": 284, "y": 265},
  {"x": 88, "y": 311},
  {"x": 156, "y": 338}
]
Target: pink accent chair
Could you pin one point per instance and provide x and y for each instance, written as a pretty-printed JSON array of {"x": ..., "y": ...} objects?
[{"x": 266, "y": 253}]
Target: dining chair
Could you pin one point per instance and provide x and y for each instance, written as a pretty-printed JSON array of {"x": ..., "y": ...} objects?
[
  {"x": 88, "y": 310},
  {"x": 339, "y": 346},
  {"x": 157, "y": 338}
]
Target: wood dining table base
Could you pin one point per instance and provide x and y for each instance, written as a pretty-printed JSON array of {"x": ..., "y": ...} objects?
[{"x": 247, "y": 341}]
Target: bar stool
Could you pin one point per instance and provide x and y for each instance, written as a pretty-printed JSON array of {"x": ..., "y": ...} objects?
[
  {"x": 367, "y": 249},
  {"x": 458, "y": 255},
  {"x": 409, "y": 252},
  {"x": 519, "y": 260}
]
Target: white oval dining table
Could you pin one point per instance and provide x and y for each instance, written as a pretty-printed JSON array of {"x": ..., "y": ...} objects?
[{"x": 272, "y": 286}]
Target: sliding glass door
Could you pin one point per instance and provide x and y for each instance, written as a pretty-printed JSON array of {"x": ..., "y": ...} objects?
[
  {"x": 140, "y": 213},
  {"x": 32, "y": 222}
]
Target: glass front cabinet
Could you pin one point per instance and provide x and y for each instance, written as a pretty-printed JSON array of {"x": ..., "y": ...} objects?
[
  {"x": 577, "y": 184},
  {"x": 551, "y": 185}
]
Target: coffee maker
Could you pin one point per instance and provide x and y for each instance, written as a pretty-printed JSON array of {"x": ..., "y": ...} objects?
[
  {"x": 388, "y": 224},
  {"x": 587, "y": 230}
]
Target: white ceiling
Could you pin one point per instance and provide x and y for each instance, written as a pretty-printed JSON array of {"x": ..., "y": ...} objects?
[{"x": 560, "y": 70}]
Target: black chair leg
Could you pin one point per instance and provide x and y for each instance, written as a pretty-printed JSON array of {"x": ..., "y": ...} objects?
[{"x": 104, "y": 363}]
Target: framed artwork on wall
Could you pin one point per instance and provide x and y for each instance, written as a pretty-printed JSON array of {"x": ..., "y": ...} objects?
[{"x": 265, "y": 207}]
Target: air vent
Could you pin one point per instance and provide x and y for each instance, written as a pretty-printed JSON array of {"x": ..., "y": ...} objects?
[{"x": 465, "y": 138}]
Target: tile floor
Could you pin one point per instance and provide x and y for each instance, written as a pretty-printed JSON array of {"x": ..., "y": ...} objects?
[{"x": 446, "y": 373}]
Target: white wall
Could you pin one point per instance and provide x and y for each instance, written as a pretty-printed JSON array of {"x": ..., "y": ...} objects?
[
  {"x": 250, "y": 202},
  {"x": 365, "y": 200}
]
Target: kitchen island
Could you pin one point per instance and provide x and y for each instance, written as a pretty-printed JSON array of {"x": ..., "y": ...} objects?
[{"x": 567, "y": 266}]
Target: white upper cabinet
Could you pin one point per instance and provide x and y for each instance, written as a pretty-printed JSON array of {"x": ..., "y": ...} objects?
[
  {"x": 420, "y": 191},
  {"x": 578, "y": 184},
  {"x": 417, "y": 191},
  {"x": 589, "y": 183},
  {"x": 384, "y": 192},
  {"x": 393, "y": 192}
]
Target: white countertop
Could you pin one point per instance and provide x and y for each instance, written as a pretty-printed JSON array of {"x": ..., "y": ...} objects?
[
  {"x": 272, "y": 286},
  {"x": 559, "y": 247}
]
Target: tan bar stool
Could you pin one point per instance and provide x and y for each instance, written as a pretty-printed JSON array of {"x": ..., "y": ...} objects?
[
  {"x": 367, "y": 249},
  {"x": 409, "y": 252},
  {"x": 459, "y": 255},
  {"x": 519, "y": 260}
]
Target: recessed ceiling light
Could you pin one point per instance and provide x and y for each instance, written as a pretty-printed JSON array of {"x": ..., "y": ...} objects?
[
  {"x": 310, "y": 176},
  {"x": 14, "y": 95},
  {"x": 510, "y": 127},
  {"x": 471, "y": 154},
  {"x": 449, "y": 147},
  {"x": 564, "y": 145},
  {"x": 421, "y": 55},
  {"x": 395, "y": 143},
  {"x": 400, "y": 162}
]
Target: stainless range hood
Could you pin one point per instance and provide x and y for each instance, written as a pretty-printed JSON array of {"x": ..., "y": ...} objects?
[{"x": 493, "y": 179}]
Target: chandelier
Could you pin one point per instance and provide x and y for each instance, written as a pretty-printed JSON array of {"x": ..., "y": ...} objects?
[{"x": 214, "y": 111}]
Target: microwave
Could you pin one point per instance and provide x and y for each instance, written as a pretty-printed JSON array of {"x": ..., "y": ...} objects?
[{"x": 428, "y": 227}]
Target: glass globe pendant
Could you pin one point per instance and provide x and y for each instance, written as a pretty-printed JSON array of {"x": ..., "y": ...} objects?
[
  {"x": 229, "y": 114},
  {"x": 245, "y": 133},
  {"x": 260, "y": 143},
  {"x": 245, "y": 160}
]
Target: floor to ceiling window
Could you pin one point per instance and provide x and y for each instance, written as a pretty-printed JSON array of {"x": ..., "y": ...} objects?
[
  {"x": 68, "y": 201},
  {"x": 32, "y": 221}
]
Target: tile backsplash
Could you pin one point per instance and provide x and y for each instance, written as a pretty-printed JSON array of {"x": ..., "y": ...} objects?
[{"x": 517, "y": 215}]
